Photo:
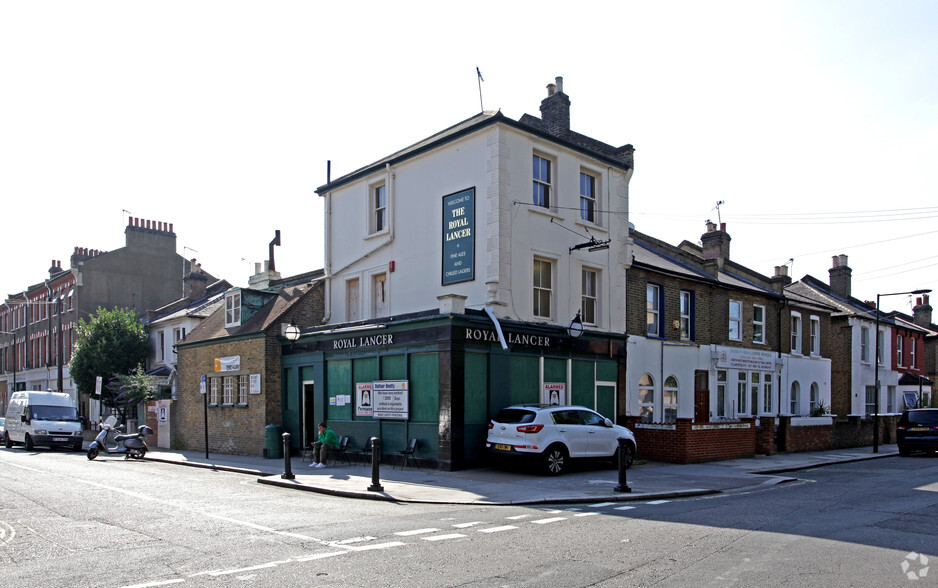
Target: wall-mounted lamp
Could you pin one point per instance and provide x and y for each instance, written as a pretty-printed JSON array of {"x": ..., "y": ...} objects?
[
  {"x": 576, "y": 326},
  {"x": 292, "y": 332}
]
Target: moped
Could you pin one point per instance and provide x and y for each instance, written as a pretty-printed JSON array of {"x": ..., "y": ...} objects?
[{"x": 131, "y": 445}]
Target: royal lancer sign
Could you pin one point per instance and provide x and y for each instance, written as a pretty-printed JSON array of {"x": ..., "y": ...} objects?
[{"x": 459, "y": 237}]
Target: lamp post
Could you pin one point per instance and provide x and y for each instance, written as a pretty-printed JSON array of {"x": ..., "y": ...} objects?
[{"x": 876, "y": 366}]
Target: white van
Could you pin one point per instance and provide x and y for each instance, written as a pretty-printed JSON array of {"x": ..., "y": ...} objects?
[{"x": 42, "y": 418}]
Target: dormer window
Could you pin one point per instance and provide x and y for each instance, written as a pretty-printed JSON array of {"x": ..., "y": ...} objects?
[{"x": 233, "y": 309}]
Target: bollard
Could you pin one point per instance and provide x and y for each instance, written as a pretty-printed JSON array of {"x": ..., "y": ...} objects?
[
  {"x": 623, "y": 485},
  {"x": 287, "y": 466},
  {"x": 375, "y": 465}
]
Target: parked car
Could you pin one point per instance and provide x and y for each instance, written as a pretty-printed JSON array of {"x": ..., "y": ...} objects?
[
  {"x": 555, "y": 434},
  {"x": 917, "y": 430}
]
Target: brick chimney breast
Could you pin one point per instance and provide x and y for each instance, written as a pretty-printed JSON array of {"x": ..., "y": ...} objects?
[
  {"x": 716, "y": 243},
  {"x": 921, "y": 312}
]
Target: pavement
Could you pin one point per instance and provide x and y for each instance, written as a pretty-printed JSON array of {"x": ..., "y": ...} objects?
[{"x": 587, "y": 482}]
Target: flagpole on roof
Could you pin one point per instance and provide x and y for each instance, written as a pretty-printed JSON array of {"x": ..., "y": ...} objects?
[{"x": 479, "y": 74}]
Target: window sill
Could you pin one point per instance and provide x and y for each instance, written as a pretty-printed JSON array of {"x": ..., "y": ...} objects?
[
  {"x": 534, "y": 208},
  {"x": 591, "y": 225},
  {"x": 381, "y": 233}
]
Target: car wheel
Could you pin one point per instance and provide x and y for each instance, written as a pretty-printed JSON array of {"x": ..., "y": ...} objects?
[
  {"x": 6, "y": 441},
  {"x": 28, "y": 443},
  {"x": 555, "y": 460},
  {"x": 92, "y": 452}
]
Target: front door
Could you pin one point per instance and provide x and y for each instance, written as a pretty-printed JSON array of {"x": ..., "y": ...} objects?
[
  {"x": 701, "y": 396},
  {"x": 310, "y": 432}
]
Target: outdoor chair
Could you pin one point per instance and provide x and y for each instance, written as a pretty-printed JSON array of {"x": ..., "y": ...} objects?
[
  {"x": 407, "y": 455},
  {"x": 340, "y": 452},
  {"x": 365, "y": 452}
]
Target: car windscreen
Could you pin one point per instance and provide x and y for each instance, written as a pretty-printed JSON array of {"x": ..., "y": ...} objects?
[
  {"x": 923, "y": 417},
  {"x": 514, "y": 416},
  {"x": 42, "y": 412}
]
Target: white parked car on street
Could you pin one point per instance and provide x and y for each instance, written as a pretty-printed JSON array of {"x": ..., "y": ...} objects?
[{"x": 555, "y": 434}]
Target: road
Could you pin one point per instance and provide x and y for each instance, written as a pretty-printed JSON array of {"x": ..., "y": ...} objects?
[{"x": 65, "y": 521}]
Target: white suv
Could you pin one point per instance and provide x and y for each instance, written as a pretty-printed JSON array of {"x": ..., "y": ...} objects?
[{"x": 554, "y": 434}]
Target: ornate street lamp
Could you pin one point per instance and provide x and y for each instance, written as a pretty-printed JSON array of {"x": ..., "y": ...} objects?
[
  {"x": 876, "y": 366},
  {"x": 576, "y": 326},
  {"x": 292, "y": 332}
]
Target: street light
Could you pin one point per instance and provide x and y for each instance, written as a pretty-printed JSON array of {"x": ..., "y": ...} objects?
[
  {"x": 876, "y": 366},
  {"x": 292, "y": 332},
  {"x": 576, "y": 326}
]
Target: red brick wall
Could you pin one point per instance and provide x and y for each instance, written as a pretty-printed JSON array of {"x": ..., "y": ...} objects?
[{"x": 685, "y": 442}]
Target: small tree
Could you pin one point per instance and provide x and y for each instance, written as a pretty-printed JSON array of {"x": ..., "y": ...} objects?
[
  {"x": 131, "y": 390},
  {"x": 111, "y": 343}
]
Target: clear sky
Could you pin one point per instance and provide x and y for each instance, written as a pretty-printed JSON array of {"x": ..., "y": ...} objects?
[{"x": 814, "y": 122}]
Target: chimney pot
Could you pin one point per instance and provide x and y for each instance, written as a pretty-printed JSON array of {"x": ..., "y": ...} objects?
[
  {"x": 550, "y": 89},
  {"x": 559, "y": 81}
]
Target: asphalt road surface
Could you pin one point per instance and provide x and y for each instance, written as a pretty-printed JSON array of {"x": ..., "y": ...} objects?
[{"x": 66, "y": 521}]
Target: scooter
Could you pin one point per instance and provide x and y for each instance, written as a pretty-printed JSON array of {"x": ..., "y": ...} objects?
[{"x": 131, "y": 445}]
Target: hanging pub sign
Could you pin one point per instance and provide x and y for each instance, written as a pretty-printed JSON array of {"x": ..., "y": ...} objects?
[{"x": 459, "y": 237}]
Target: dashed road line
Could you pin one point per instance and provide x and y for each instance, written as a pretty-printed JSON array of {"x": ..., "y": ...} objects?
[
  {"x": 550, "y": 520},
  {"x": 443, "y": 537},
  {"x": 601, "y": 504},
  {"x": 518, "y": 517},
  {"x": 466, "y": 525},
  {"x": 498, "y": 529},
  {"x": 624, "y": 507},
  {"x": 416, "y": 532}
]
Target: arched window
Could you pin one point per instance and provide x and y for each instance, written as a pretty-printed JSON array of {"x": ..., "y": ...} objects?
[
  {"x": 795, "y": 393},
  {"x": 669, "y": 399},
  {"x": 815, "y": 399},
  {"x": 646, "y": 398}
]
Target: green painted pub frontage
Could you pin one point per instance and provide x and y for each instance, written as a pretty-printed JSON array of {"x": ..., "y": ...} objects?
[{"x": 439, "y": 378}]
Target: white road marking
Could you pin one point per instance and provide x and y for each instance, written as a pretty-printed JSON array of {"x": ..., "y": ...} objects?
[
  {"x": 657, "y": 501},
  {"x": 465, "y": 525},
  {"x": 157, "y": 583},
  {"x": 375, "y": 546},
  {"x": 586, "y": 514},
  {"x": 516, "y": 518},
  {"x": 353, "y": 540},
  {"x": 443, "y": 537},
  {"x": 497, "y": 529},
  {"x": 552, "y": 520},
  {"x": 624, "y": 507},
  {"x": 416, "y": 532},
  {"x": 601, "y": 504}
]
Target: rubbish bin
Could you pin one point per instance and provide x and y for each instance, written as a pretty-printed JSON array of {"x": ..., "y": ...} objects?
[{"x": 273, "y": 442}]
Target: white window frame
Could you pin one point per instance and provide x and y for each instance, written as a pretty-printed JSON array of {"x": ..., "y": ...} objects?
[
  {"x": 542, "y": 187},
  {"x": 912, "y": 345},
  {"x": 542, "y": 294},
  {"x": 646, "y": 398},
  {"x": 865, "y": 344},
  {"x": 653, "y": 310},
  {"x": 378, "y": 210},
  {"x": 794, "y": 397},
  {"x": 213, "y": 391},
  {"x": 814, "y": 398},
  {"x": 767, "y": 392},
  {"x": 380, "y": 287},
  {"x": 687, "y": 315},
  {"x": 900, "y": 348},
  {"x": 669, "y": 398},
  {"x": 162, "y": 343},
  {"x": 233, "y": 309},
  {"x": 796, "y": 333},
  {"x": 589, "y": 197},
  {"x": 227, "y": 391},
  {"x": 881, "y": 348},
  {"x": 735, "y": 319},
  {"x": 353, "y": 307},
  {"x": 869, "y": 406},
  {"x": 589, "y": 297},
  {"x": 814, "y": 335},
  {"x": 243, "y": 381},
  {"x": 755, "y": 388},
  {"x": 721, "y": 394},
  {"x": 758, "y": 324},
  {"x": 742, "y": 392}
]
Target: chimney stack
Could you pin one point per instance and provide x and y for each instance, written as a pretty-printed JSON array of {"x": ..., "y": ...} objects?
[
  {"x": 555, "y": 109},
  {"x": 921, "y": 312},
  {"x": 716, "y": 243},
  {"x": 840, "y": 275}
]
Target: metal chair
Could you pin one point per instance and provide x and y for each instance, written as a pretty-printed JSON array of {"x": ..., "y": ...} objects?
[
  {"x": 407, "y": 455},
  {"x": 340, "y": 453},
  {"x": 306, "y": 454},
  {"x": 365, "y": 452}
]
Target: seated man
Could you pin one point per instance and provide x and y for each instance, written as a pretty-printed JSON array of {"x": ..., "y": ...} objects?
[{"x": 327, "y": 442}]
